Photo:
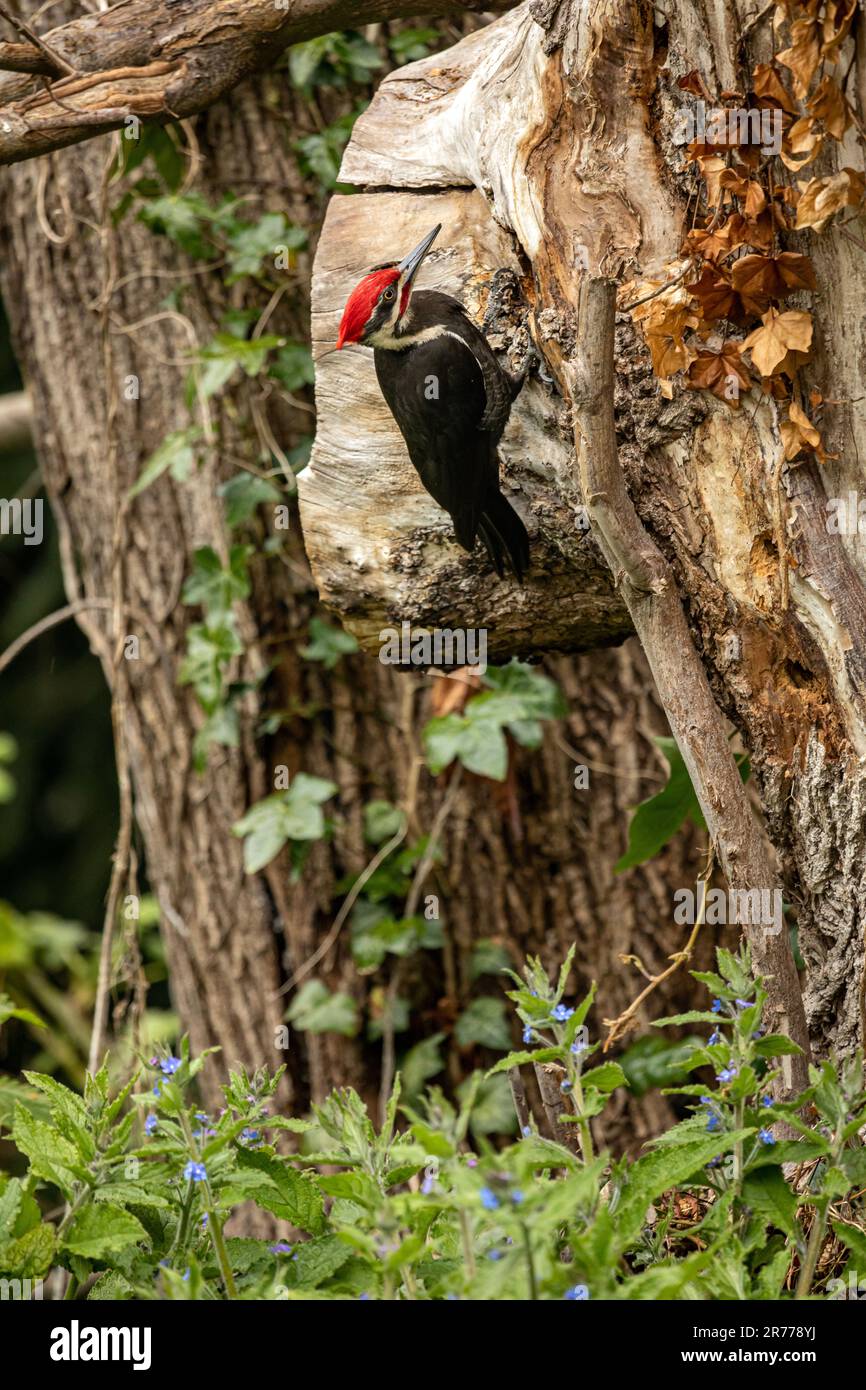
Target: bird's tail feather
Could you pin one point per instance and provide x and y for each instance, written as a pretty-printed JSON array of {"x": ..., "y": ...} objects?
[{"x": 505, "y": 536}]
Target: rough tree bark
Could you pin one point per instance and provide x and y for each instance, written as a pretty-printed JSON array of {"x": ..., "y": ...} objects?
[
  {"x": 561, "y": 114},
  {"x": 530, "y": 866}
]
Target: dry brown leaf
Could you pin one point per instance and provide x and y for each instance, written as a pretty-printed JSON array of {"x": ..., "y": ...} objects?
[
  {"x": 767, "y": 83},
  {"x": 714, "y": 243},
  {"x": 835, "y": 26},
  {"x": 804, "y": 55},
  {"x": 801, "y": 144},
  {"x": 760, "y": 278},
  {"x": 779, "y": 334},
  {"x": 828, "y": 104},
  {"x": 694, "y": 83},
  {"x": 717, "y": 297},
  {"x": 713, "y": 167},
  {"x": 798, "y": 432},
  {"x": 821, "y": 198},
  {"x": 722, "y": 372}
]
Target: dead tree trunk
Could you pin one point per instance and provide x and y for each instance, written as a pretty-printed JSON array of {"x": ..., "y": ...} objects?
[
  {"x": 531, "y": 869},
  {"x": 563, "y": 116}
]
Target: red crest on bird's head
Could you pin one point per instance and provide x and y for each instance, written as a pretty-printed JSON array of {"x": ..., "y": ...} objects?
[
  {"x": 362, "y": 301},
  {"x": 375, "y": 308}
]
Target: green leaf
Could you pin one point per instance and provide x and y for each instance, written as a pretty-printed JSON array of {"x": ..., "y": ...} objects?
[
  {"x": 655, "y": 1172},
  {"x": 293, "y": 367},
  {"x": 484, "y": 1022},
  {"x": 252, "y": 243},
  {"x": 488, "y": 958},
  {"x": 420, "y": 1063},
  {"x": 606, "y": 1077},
  {"x": 101, "y": 1229},
  {"x": 316, "y": 1010},
  {"x": 175, "y": 455},
  {"x": 776, "y": 1045},
  {"x": 243, "y": 493},
  {"x": 854, "y": 1239},
  {"x": 292, "y": 815},
  {"x": 318, "y": 1260},
  {"x": 520, "y": 1059},
  {"x": 51, "y": 1156},
  {"x": 767, "y": 1193},
  {"x": 478, "y": 743},
  {"x": 9, "y": 1010},
  {"x": 30, "y": 1256},
  {"x": 328, "y": 644},
  {"x": 291, "y": 1195},
  {"x": 658, "y": 819},
  {"x": 382, "y": 821},
  {"x": 432, "y": 1141},
  {"x": 214, "y": 587}
]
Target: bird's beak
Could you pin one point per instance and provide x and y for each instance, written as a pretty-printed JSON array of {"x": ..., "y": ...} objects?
[{"x": 409, "y": 267}]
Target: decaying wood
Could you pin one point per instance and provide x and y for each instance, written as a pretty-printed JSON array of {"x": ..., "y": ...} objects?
[
  {"x": 528, "y": 866},
  {"x": 561, "y": 115},
  {"x": 206, "y": 46},
  {"x": 381, "y": 550}
]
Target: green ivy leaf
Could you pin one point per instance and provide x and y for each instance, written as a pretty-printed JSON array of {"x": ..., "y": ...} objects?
[
  {"x": 176, "y": 455},
  {"x": 243, "y": 493},
  {"x": 658, "y": 819},
  {"x": 316, "y": 1010},
  {"x": 292, "y": 815},
  {"x": 328, "y": 644},
  {"x": 250, "y": 243},
  {"x": 484, "y": 1022}
]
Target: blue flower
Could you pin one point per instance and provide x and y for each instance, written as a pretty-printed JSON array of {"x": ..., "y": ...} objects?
[
  {"x": 249, "y": 1136},
  {"x": 150, "y": 1124},
  {"x": 727, "y": 1074},
  {"x": 169, "y": 1065},
  {"x": 205, "y": 1220},
  {"x": 577, "y": 1047},
  {"x": 717, "y": 1006},
  {"x": 766, "y": 1137},
  {"x": 562, "y": 1013},
  {"x": 713, "y": 1124},
  {"x": 706, "y": 1100},
  {"x": 578, "y": 1293},
  {"x": 516, "y": 1196},
  {"x": 200, "y": 1115},
  {"x": 489, "y": 1199},
  {"x": 157, "y": 1087},
  {"x": 714, "y": 1162},
  {"x": 743, "y": 1003},
  {"x": 195, "y": 1172},
  {"x": 281, "y": 1248},
  {"x": 428, "y": 1185},
  {"x": 766, "y": 1101},
  {"x": 494, "y": 1254},
  {"x": 713, "y": 1039},
  {"x": 527, "y": 1034},
  {"x": 527, "y": 1131},
  {"x": 565, "y": 1087}
]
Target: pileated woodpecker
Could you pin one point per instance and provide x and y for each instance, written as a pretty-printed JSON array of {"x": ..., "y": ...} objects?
[{"x": 449, "y": 396}]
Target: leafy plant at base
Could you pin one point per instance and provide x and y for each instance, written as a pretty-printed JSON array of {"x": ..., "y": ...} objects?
[{"x": 713, "y": 1209}]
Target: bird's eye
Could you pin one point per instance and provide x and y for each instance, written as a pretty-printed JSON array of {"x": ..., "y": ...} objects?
[{"x": 389, "y": 293}]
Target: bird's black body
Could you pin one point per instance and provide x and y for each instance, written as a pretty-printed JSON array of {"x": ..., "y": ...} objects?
[{"x": 451, "y": 400}]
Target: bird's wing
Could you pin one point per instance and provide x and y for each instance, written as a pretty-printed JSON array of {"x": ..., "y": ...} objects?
[{"x": 437, "y": 396}]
